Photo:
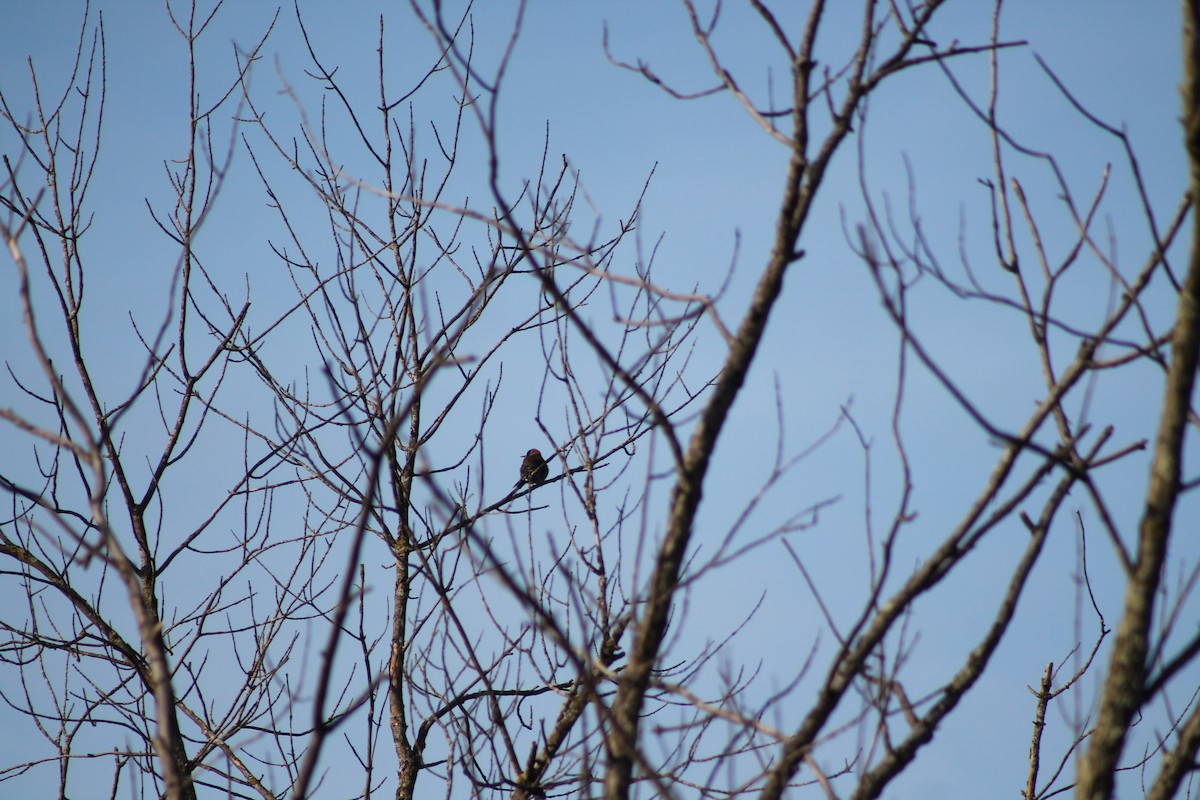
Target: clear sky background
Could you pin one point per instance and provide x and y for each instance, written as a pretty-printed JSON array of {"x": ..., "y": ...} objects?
[{"x": 713, "y": 198}]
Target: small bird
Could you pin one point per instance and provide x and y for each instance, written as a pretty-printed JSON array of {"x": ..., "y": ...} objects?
[{"x": 534, "y": 469}]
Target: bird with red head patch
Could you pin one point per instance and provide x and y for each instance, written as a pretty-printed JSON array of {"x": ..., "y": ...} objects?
[{"x": 534, "y": 469}]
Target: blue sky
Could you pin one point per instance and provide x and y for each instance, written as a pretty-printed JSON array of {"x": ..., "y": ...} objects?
[{"x": 716, "y": 186}]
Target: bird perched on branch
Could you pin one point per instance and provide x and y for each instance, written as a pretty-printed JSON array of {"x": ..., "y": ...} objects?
[{"x": 534, "y": 469}]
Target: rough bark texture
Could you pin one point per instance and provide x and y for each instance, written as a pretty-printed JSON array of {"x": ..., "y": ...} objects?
[{"x": 1124, "y": 689}]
